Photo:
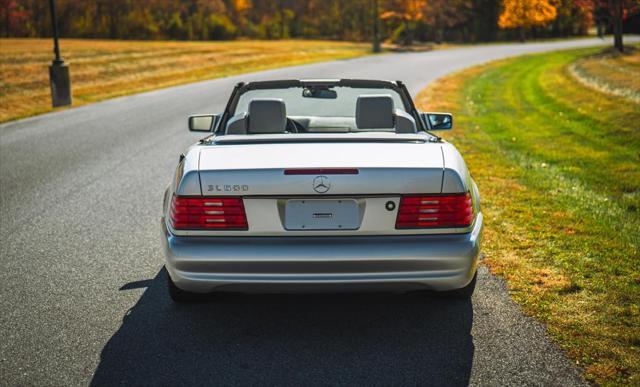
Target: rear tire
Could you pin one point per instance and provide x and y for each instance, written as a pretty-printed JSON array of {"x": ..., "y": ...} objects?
[
  {"x": 181, "y": 296},
  {"x": 463, "y": 293}
]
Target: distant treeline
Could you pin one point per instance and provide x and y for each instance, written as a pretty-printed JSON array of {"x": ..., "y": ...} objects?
[{"x": 400, "y": 21}]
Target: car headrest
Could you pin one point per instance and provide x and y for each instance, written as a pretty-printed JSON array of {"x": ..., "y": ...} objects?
[
  {"x": 268, "y": 115},
  {"x": 374, "y": 111},
  {"x": 237, "y": 124},
  {"x": 405, "y": 123}
]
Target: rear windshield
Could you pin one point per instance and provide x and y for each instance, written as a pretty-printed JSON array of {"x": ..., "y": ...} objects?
[{"x": 298, "y": 105}]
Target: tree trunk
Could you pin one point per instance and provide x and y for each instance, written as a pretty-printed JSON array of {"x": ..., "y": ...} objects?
[
  {"x": 600, "y": 30},
  {"x": 282, "y": 21},
  {"x": 113, "y": 21},
  {"x": 616, "y": 18},
  {"x": 7, "y": 23},
  {"x": 439, "y": 28},
  {"x": 408, "y": 33},
  {"x": 522, "y": 34}
]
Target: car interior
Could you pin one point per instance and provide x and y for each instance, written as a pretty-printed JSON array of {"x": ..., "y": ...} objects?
[{"x": 374, "y": 112}]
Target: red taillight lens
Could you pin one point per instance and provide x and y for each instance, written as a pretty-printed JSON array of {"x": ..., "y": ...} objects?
[
  {"x": 197, "y": 213},
  {"x": 417, "y": 211}
]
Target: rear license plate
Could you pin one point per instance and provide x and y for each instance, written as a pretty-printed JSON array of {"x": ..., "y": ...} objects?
[{"x": 340, "y": 214}]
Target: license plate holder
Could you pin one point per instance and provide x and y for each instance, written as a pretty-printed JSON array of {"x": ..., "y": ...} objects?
[{"x": 322, "y": 214}]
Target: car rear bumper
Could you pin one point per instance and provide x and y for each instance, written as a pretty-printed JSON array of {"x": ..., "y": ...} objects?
[{"x": 322, "y": 264}]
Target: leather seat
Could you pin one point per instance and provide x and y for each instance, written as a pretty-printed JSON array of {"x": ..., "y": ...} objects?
[
  {"x": 265, "y": 116},
  {"x": 377, "y": 112},
  {"x": 405, "y": 123},
  {"x": 374, "y": 111}
]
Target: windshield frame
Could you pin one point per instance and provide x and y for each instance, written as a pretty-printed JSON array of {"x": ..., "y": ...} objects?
[{"x": 242, "y": 88}]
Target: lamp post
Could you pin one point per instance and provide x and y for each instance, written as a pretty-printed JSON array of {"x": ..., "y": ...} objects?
[
  {"x": 58, "y": 70},
  {"x": 376, "y": 27}
]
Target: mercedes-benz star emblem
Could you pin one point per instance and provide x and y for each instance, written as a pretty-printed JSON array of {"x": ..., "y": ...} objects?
[{"x": 321, "y": 184}]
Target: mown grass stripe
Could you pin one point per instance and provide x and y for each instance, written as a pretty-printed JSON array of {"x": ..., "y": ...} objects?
[
  {"x": 560, "y": 196},
  {"x": 104, "y": 69}
]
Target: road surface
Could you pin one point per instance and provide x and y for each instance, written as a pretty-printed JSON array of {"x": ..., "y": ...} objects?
[{"x": 83, "y": 298}]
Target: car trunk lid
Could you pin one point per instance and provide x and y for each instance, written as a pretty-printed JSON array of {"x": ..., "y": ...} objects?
[{"x": 250, "y": 169}]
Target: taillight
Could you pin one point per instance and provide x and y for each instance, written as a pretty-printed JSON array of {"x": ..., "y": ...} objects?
[
  {"x": 434, "y": 211},
  {"x": 322, "y": 171},
  {"x": 202, "y": 213}
]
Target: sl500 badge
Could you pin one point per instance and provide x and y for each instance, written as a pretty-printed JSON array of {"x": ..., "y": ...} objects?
[{"x": 227, "y": 188}]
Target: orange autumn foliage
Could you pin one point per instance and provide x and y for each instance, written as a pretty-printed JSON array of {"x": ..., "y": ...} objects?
[
  {"x": 408, "y": 10},
  {"x": 526, "y": 13},
  {"x": 241, "y": 5}
]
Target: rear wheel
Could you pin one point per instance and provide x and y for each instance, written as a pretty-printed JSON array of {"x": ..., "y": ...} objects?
[
  {"x": 463, "y": 293},
  {"x": 179, "y": 295}
]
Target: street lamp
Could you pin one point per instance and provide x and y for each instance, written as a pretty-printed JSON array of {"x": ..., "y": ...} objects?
[
  {"x": 58, "y": 70},
  {"x": 376, "y": 27}
]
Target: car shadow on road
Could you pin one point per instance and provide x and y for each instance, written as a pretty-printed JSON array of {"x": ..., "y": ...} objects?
[{"x": 379, "y": 339}]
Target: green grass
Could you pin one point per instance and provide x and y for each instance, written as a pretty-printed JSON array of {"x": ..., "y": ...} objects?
[{"x": 557, "y": 164}]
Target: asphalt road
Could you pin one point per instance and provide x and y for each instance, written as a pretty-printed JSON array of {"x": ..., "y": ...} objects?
[{"x": 83, "y": 298}]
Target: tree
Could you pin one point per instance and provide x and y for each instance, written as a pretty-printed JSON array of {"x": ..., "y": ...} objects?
[
  {"x": 524, "y": 14},
  {"x": 408, "y": 12},
  {"x": 484, "y": 20},
  {"x": 13, "y": 17},
  {"x": 441, "y": 14},
  {"x": 616, "y": 18},
  {"x": 574, "y": 17},
  {"x": 615, "y": 12},
  {"x": 619, "y": 11},
  {"x": 401, "y": 21}
]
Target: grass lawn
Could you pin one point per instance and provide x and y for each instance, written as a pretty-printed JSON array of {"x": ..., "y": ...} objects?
[
  {"x": 102, "y": 69},
  {"x": 557, "y": 161}
]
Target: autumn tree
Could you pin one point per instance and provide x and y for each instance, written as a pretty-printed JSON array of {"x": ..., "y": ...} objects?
[
  {"x": 483, "y": 20},
  {"x": 525, "y": 14},
  {"x": 616, "y": 7},
  {"x": 400, "y": 20},
  {"x": 614, "y": 12},
  {"x": 441, "y": 14},
  {"x": 574, "y": 17},
  {"x": 12, "y": 16},
  {"x": 619, "y": 11},
  {"x": 408, "y": 12}
]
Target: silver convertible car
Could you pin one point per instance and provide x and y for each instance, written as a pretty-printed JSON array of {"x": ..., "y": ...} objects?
[{"x": 321, "y": 186}]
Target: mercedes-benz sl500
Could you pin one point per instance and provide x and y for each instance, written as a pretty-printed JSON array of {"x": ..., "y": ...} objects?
[{"x": 321, "y": 186}]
